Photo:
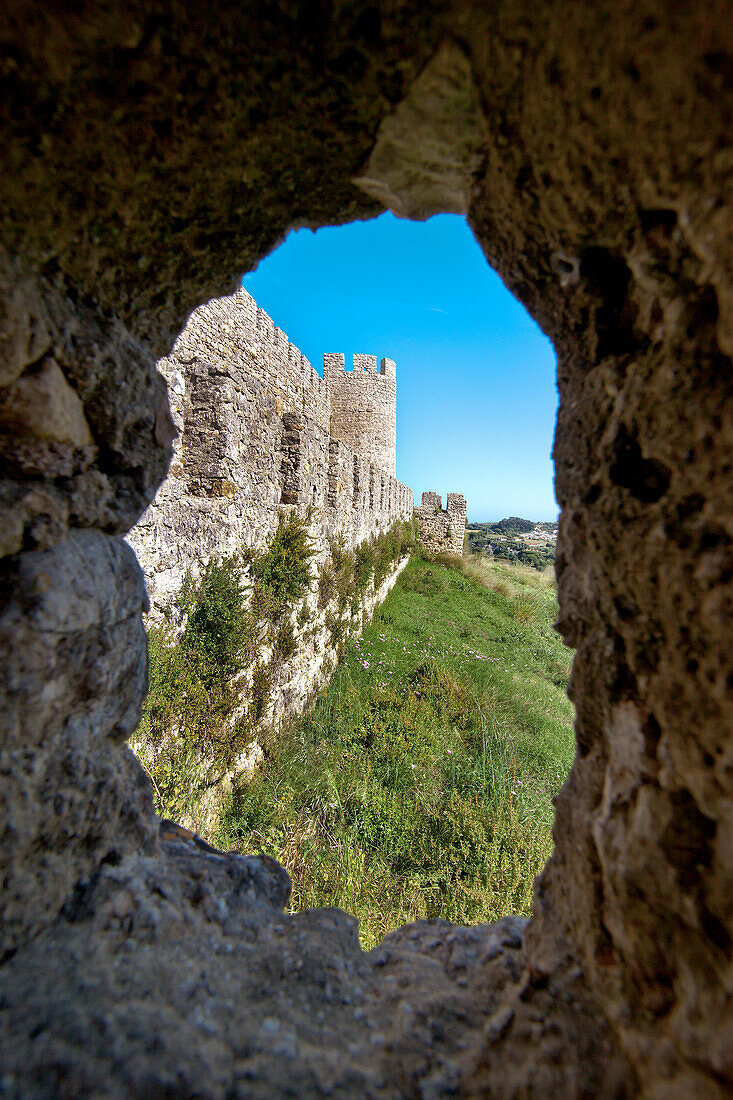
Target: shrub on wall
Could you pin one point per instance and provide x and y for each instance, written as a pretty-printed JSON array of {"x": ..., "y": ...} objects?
[
  {"x": 260, "y": 692},
  {"x": 284, "y": 570},
  {"x": 364, "y": 561},
  {"x": 285, "y": 642},
  {"x": 326, "y": 584},
  {"x": 193, "y": 724},
  {"x": 218, "y": 627}
]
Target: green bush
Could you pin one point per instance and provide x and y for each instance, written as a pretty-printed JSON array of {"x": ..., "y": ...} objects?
[
  {"x": 218, "y": 627},
  {"x": 186, "y": 731},
  {"x": 194, "y": 689},
  {"x": 341, "y": 557},
  {"x": 304, "y": 615},
  {"x": 326, "y": 584},
  {"x": 336, "y": 628},
  {"x": 260, "y": 692},
  {"x": 364, "y": 562},
  {"x": 177, "y": 695},
  {"x": 342, "y": 571},
  {"x": 284, "y": 570},
  {"x": 350, "y": 573},
  {"x": 285, "y": 644},
  {"x": 264, "y": 606}
]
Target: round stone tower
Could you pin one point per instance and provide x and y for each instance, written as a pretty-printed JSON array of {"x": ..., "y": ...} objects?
[{"x": 364, "y": 407}]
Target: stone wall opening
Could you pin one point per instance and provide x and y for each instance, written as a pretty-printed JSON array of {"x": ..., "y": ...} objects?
[
  {"x": 261, "y": 432},
  {"x": 476, "y": 391},
  {"x": 590, "y": 151}
]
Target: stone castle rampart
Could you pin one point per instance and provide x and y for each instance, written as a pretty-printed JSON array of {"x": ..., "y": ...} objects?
[
  {"x": 257, "y": 443},
  {"x": 262, "y": 432},
  {"x": 442, "y": 532}
]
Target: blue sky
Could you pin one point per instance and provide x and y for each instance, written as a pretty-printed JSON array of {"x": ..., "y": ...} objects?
[{"x": 476, "y": 395}]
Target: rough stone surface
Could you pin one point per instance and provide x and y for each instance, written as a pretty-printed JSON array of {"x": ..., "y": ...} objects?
[
  {"x": 73, "y": 678},
  {"x": 442, "y": 531},
  {"x": 261, "y": 433},
  {"x": 151, "y": 156},
  {"x": 428, "y": 152},
  {"x": 182, "y": 976},
  {"x": 364, "y": 407},
  {"x": 260, "y": 436},
  {"x": 85, "y": 427}
]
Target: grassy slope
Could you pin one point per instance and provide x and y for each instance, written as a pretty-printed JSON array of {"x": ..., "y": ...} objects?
[{"x": 421, "y": 784}]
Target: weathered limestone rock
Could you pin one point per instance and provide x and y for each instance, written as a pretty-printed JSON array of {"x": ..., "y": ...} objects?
[
  {"x": 85, "y": 427},
  {"x": 442, "y": 532},
  {"x": 44, "y": 405},
  {"x": 73, "y": 679},
  {"x": 182, "y": 974},
  {"x": 149, "y": 158},
  {"x": 428, "y": 152}
]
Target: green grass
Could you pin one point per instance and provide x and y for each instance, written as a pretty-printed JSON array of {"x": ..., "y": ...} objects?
[
  {"x": 202, "y": 709},
  {"x": 421, "y": 784}
]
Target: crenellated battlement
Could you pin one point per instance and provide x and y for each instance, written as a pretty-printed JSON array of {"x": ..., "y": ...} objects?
[
  {"x": 260, "y": 428},
  {"x": 442, "y": 531},
  {"x": 363, "y": 404},
  {"x": 365, "y": 363},
  {"x": 356, "y": 406},
  {"x": 334, "y": 363}
]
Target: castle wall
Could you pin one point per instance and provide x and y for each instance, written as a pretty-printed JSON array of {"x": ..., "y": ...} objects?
[
  {"x": 442, "y": 532},
  {"x": 364, "y": 407},
  {"x": 254, "y": 444},
  {"x": 253, "y": 418}
]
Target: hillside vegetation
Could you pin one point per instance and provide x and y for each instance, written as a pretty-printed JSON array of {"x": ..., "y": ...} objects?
[
  {"x": 421, "y": 783},
  {"x": 514, "y": 539}
]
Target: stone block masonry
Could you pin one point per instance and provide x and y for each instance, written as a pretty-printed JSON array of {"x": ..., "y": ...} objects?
[
  {"x": 587, "y": 144},
  {"x": 442, "y": 532},
  {"x": 261, "y": 432},
  {"x": 261, "y": 436},
  {"x": 364, "y": 407}
]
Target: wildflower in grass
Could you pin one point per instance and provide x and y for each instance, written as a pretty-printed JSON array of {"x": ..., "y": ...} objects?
[{"x": 365, "y": 664}]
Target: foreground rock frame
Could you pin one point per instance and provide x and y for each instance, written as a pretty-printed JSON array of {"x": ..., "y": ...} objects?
[{"x": 149, "y": 152}]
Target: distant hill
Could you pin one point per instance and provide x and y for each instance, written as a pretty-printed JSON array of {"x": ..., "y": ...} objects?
[
  {"x": 514, "y": 526},
  {"x": 515, "y": 539}
]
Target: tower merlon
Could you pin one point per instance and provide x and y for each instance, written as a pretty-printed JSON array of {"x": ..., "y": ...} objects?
[
  {"x": 388, "y": 368},
  {"x": 265, "y": 326},
  {"x": 456, "y": 502},
  {"x": 334, "y": 363},
  {"x": 442, "y": 531},
  {"x": 365, "y": 363}
]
